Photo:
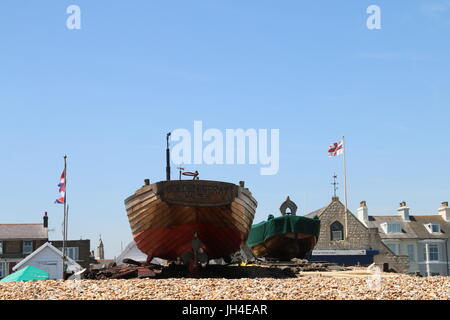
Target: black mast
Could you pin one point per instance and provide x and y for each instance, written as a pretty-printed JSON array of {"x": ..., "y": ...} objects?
[{"x": 168, "y": 158}]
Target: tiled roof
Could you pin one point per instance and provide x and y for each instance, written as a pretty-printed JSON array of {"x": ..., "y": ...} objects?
[
  {"x": 315, "y": 213},
  {"x": 23, "y": 231},
  {"x": 414, "y": 229}
]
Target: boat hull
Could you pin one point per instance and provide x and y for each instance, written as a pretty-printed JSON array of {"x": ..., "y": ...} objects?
[
  {"x": 165, "y": 217},
  {"x": 284, "y": 238},
  {"x": 285, "y": 247}
]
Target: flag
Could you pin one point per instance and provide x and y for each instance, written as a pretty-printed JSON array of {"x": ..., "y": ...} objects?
[
  {"x": 62, "y": 188},
  {"x": 336, "y": 149},
  {"x": 62, "y": 180}
]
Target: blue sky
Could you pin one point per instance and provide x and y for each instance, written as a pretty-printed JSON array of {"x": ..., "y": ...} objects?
[{"x": 106, "y": 95}]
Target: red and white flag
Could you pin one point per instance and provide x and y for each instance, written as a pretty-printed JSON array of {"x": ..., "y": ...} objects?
[
  {"x": 62, "y": 188},
  {"x": 336, "y": 149}
]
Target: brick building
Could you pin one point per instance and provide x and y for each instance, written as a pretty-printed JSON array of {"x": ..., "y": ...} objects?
[
  {"x": 19, "y": 240},
  {"x": 344, "y": 239},
  {"x": 77, "y": 250}
]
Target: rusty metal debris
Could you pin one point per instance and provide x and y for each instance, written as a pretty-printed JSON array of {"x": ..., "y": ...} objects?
[
  {"x": 126, "y": 271},
  {"x": 259, "y": 269},
  {"x": 299, "y": 265}
]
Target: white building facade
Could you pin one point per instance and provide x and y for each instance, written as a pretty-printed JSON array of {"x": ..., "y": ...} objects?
[
  {"x": 424, "y": 239},
  {"x": 49, "y": 259}
]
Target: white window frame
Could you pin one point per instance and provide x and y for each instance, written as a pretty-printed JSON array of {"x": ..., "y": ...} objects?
[
  {"x": 397, "y": 229},
  {"x": 26, "y": 246},
  {"x": 438, "y": 226},
  {"x": 429, "y": 227},
  {"x": 72, "y": 252},
  {"x": 436, "y": 252}
]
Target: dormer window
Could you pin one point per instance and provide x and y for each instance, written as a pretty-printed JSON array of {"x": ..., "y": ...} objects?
[
  {"x": 392, "y": 227},
  {"x": 433, "y": 227}
]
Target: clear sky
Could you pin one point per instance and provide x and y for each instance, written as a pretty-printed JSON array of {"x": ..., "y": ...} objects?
[{"x": 107, "y": 94}]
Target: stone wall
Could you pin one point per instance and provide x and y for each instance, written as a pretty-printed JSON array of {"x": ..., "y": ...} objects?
[{"x": 359, "y": 237}]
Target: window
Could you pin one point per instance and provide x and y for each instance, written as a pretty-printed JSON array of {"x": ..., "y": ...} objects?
[
  {"x": 3, "y": 268},
  {"x": 393, "y": 228},
  {"x": 337, "y": 231},
  {"x": 71, "y": 252},
  {"x": 411, "y": 253},
  {"x": 435, "y": 228},
  {"x": 1, "y": 247},
  {"x": 27, "y": 247},
  {"x": 433, "y": 252}
]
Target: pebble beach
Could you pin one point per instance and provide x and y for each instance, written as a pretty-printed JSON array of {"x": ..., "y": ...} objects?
[{"x": 351, "y": 285}]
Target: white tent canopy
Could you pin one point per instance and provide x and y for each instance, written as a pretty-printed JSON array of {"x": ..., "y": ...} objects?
[{"x": 131, "y": 251}]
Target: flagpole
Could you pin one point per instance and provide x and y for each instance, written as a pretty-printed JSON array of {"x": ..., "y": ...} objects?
[
  {"x": 65, "y": 216},
  {"x": 345, "y": 186},
  {"x": 67, "y": 225}
]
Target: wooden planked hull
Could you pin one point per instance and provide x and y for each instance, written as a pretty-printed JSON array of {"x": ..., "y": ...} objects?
[{"x": 165, "y": 216}]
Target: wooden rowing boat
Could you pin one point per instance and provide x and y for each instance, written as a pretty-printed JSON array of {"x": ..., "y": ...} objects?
[{"x": 190, "y": 219}]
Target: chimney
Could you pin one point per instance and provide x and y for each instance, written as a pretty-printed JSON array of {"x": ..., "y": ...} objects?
[
  {"x": 403, "y": 211},
  {"x": 444, "y": 211},
  {"x": 45, "y": 220},
  {"x": 363, "y": 212}
]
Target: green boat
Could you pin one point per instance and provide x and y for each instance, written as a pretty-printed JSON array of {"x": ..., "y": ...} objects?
[{"x": 285, "y": 237}]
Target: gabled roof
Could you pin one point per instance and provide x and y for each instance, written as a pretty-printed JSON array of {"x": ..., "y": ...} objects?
[
  {"x": 23, "y": 231},
  {"x": 72, "y": 265},
  {"x": 413, "y": 229},
  {"x": 319, "y": 212},
  {"x": 316, "y": 213}
]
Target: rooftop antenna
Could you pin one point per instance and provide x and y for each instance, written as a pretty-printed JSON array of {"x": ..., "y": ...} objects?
[
  {"x": 167, "y": 158},
  {"x": 334, "y": 183}
]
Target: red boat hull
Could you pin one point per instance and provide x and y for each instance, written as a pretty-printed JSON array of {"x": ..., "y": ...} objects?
[
  {"x": 172, "y": 242},
  {"x": 165, "y": 217}
]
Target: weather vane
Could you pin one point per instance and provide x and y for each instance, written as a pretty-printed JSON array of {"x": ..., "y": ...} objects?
[{"x": 334, "y": 183}]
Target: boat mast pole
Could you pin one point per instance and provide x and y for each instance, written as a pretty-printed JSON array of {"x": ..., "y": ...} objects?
[{"x": 167, "y": 158}]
